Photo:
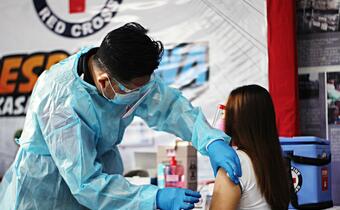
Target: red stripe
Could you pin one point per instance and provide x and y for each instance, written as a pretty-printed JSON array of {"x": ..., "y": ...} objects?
[{"x": 282, "y": 56}]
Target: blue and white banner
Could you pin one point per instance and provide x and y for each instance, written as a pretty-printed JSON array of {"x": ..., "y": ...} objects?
[{"x": 212, "y": 47}]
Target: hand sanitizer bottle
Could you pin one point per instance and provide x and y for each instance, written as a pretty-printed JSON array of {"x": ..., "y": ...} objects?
[{"x": 174, "y": 173}]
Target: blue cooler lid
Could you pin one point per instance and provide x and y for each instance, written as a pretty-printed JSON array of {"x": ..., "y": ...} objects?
[{"x": 302, "y": 140}]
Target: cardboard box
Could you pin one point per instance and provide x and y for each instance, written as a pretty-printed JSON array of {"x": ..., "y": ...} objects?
[{"x": 186, "y": 155}]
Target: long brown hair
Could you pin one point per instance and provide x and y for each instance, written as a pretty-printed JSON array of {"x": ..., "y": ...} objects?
[{"x": 250, "y": 121}]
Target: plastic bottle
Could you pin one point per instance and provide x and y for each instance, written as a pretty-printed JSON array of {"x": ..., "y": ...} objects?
[
  {"x": 160, "y": 175},
  {"x": 174, "y": 173},
  {"x": 219, "y": 117}
]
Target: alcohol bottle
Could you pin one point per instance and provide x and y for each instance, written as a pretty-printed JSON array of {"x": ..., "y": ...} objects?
[{"x": 174, "y": 173}]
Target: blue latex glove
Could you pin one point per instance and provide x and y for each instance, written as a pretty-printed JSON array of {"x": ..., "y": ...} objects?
[
  {"x": 224, "y": 156},
  {"x": 176, "y": 199}
]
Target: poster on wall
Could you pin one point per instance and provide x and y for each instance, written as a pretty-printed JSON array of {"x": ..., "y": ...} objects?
[
  {"x": 333, "y": 106},
  {"x": 333, "y": 98},
  {"x": 318, "y": 44},
  {"x": 312, "y": 104},
  {"x": 318, "y": 28}
]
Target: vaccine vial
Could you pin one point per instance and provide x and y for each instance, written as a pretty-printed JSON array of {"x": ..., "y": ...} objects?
[{"x": 219, "y": 117}]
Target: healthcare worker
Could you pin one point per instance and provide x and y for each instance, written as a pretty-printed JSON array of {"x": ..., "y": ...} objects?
[{"x": 68, "y": 157}]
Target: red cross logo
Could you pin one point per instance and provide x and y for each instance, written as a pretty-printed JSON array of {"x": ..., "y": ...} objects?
[{"x": 76, "y": 6}]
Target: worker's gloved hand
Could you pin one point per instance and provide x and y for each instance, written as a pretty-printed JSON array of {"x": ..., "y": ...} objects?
[
  {"x": 176, "y": 199},
  {"x": 223, "y": 155}
]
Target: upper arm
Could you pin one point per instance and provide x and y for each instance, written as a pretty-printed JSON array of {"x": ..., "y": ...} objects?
[
  {"x": 226, "y": 195},
  {"x": 166, "y": 109}
]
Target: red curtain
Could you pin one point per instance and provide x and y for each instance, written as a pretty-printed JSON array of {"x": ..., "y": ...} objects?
[{"x": 282, "y": 56}]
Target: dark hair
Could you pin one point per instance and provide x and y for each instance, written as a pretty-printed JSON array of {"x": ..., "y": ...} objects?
[
  {"x": 127, "y": 52},
  {"x": 250, "y": 121}
]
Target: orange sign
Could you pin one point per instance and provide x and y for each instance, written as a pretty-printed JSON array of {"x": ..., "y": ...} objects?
[{"x": 17, "y": 78}]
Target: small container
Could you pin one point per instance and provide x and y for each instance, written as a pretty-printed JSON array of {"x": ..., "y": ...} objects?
[
  {"x": 219, "y": 117},
  {"x": 174, "y": 172}
]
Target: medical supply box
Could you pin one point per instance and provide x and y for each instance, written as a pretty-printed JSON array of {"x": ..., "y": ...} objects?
[
  {"x": 186, "y": 156},
  {"x": 309, "y": 159}
]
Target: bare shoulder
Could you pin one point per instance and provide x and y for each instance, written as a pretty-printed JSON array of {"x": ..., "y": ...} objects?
[{"x": 226, "y": 194}]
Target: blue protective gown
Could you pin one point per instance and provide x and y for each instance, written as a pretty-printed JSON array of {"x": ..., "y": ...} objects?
[{"x": 68, "y": 156}]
